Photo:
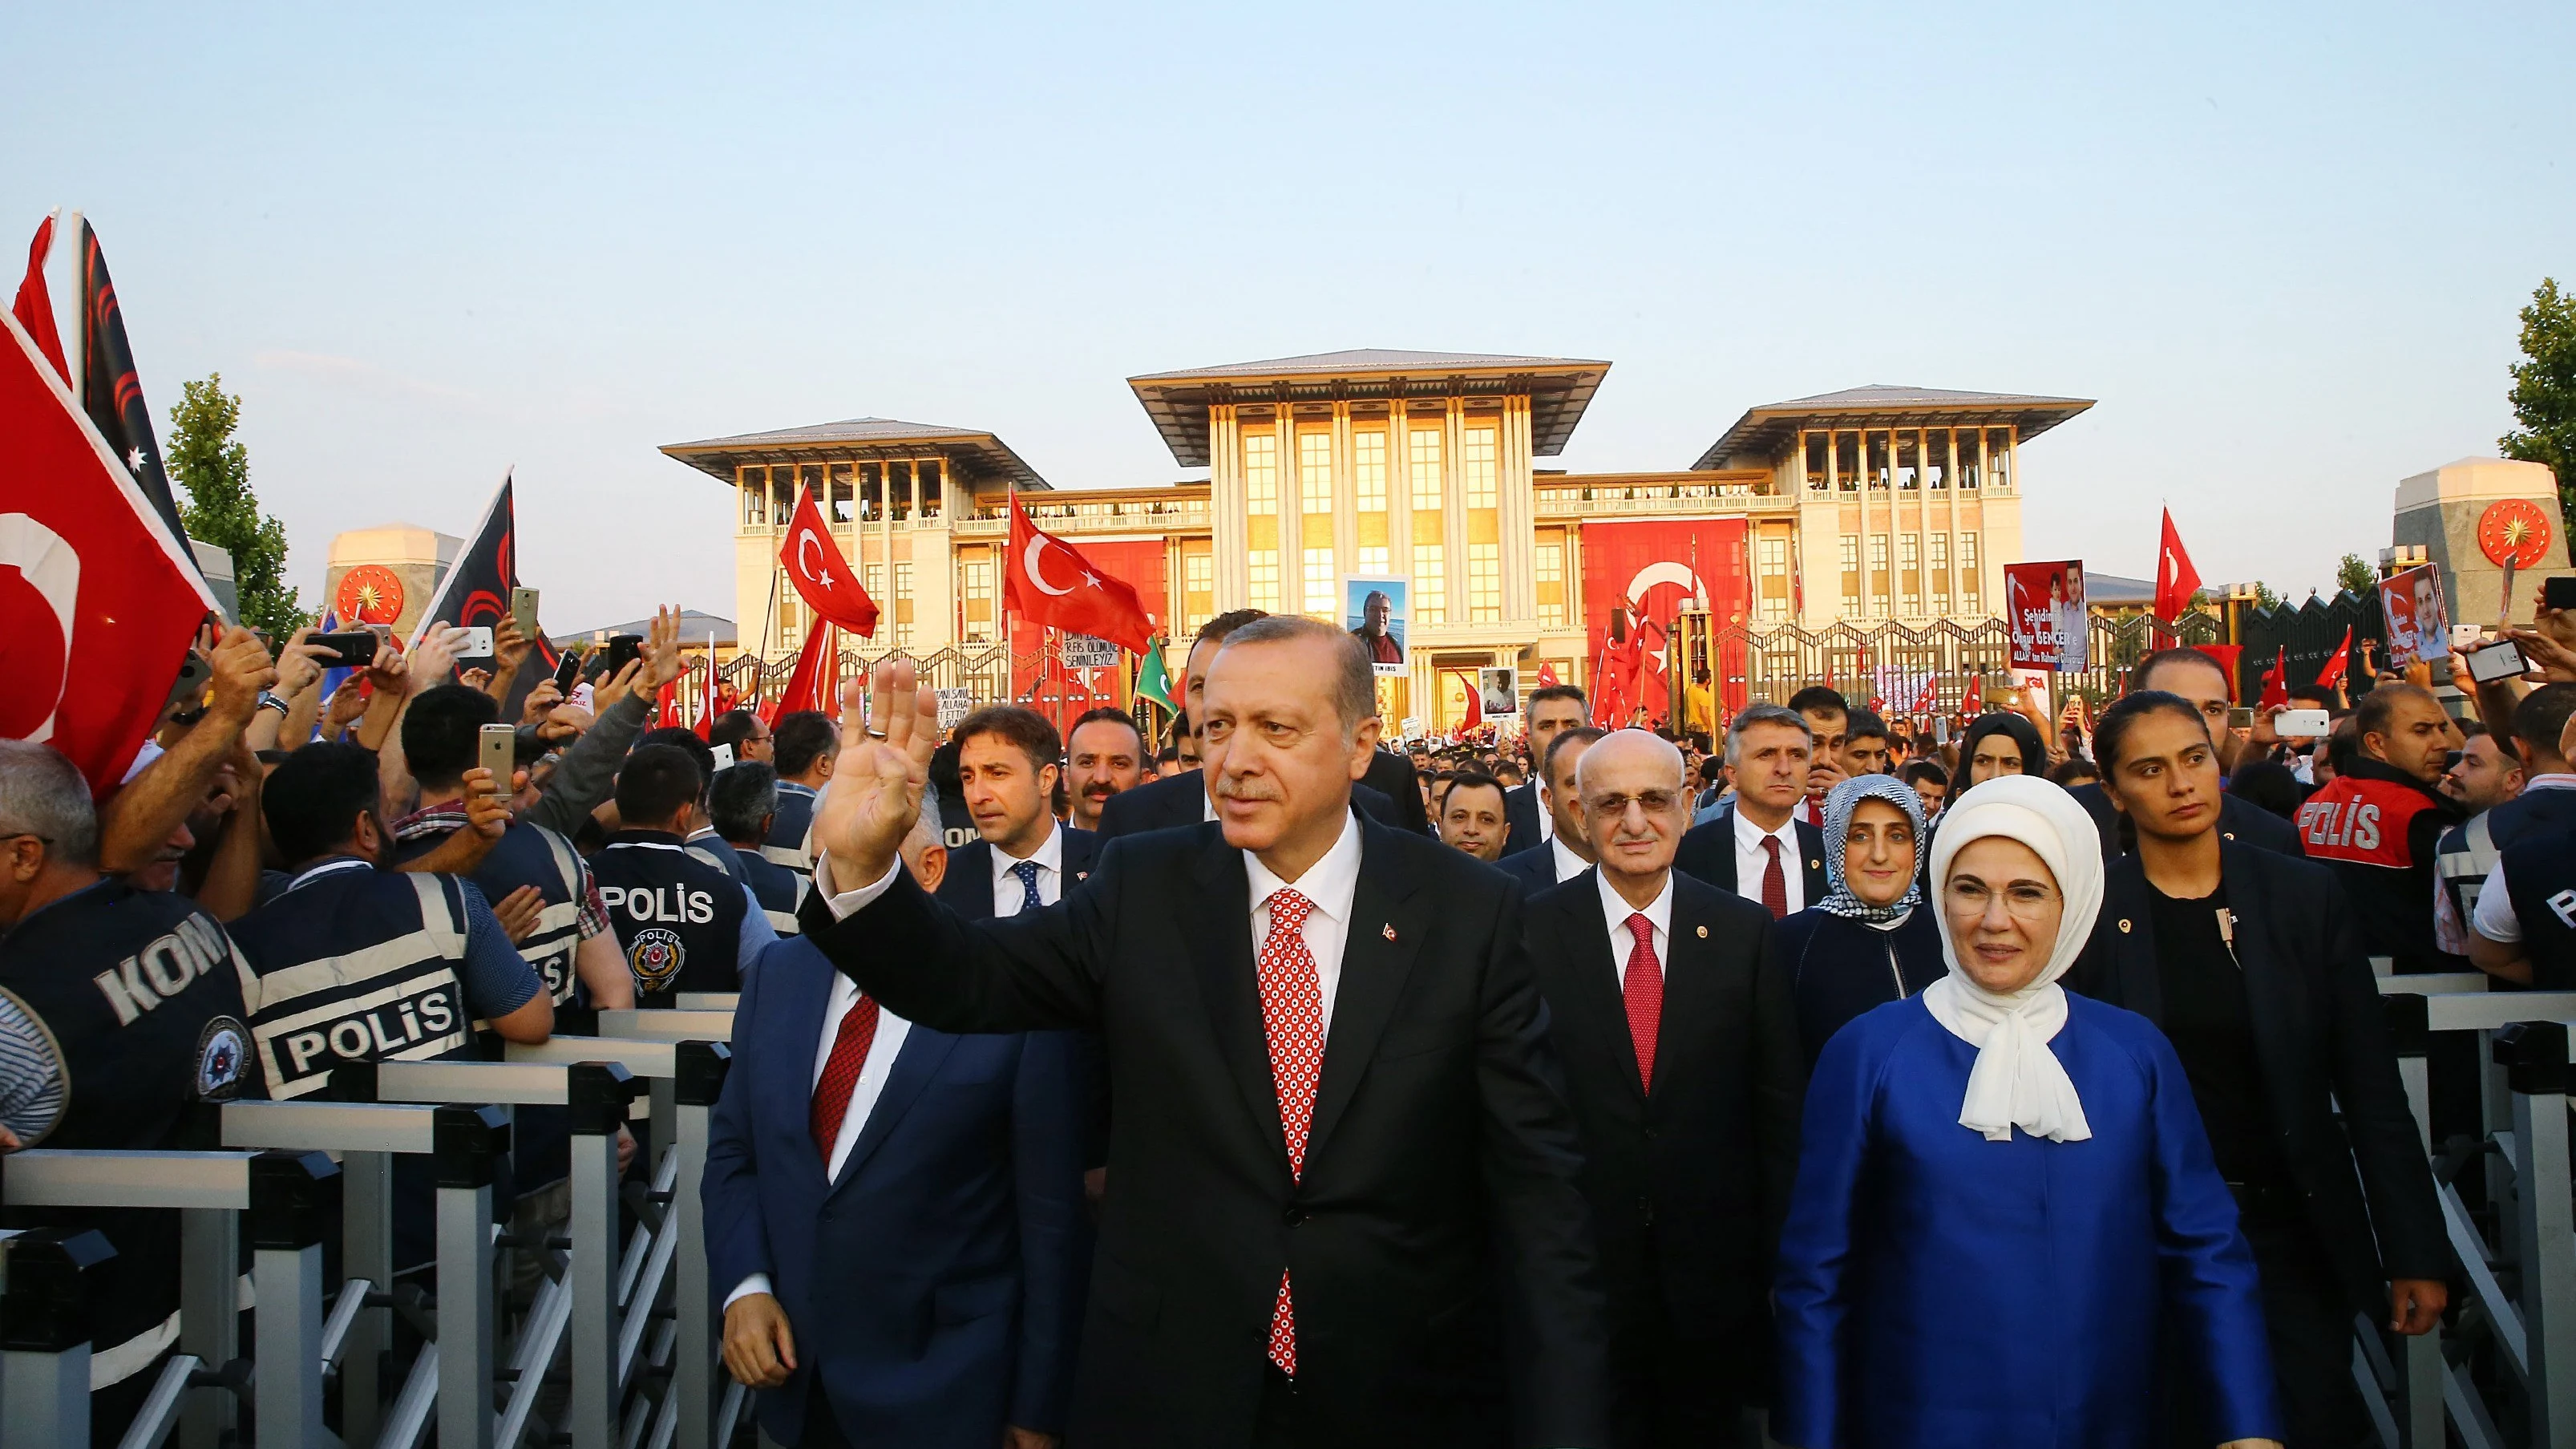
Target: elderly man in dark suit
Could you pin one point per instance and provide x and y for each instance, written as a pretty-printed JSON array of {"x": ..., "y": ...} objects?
[
  {"x": 1338, "y": 1130},
  {"x": 1680, "y": 1045}
]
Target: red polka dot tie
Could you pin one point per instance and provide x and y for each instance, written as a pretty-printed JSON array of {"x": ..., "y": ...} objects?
[
  {"x": 1643, "y": 987},
  {"x": 1292, "y": 1018}
]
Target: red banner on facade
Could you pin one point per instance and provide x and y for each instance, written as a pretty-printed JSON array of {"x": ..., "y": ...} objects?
[{"x": 1636, "y": 577}]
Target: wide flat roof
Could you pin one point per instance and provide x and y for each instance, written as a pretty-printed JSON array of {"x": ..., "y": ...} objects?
[
  {"x": 980, "y": 460},
  {"x": 1764, "y": 434},
  {"x": 1559, "y": 388}
]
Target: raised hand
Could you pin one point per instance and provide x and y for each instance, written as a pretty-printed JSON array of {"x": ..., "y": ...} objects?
[
  {"x": 299, "y": 665},
  {"x": 661, "y": 658},
  {"x": 877, "y": 777},
  {"x": 434, "y": 662},
  {"x": 241, "y": 670},
  {"x": 519, "y": 911}
]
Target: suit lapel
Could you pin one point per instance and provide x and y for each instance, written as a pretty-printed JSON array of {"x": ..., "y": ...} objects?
[
  {"x": 1811, "y": 860},
  {"x": 914, "y": 1066},
  {"x": 1386, "y": 929},
  {"x": 967, "y": 889},
  {"x": 789, "y": 1019},
  {"x": 2131, "y": 933},
  {"x": 1217, "y": 929},
  {"x": 1690, "y": 989},
  {"x": 1595, "y": 1004},
  {"x": 2274, "y": 996}
]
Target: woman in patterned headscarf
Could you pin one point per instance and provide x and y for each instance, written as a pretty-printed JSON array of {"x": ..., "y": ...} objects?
[{"x": 1867, "y": 942}]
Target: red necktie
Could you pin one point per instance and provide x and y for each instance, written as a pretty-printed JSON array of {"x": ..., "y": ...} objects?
[
  {"x": 841, "y": 1074},
  {"x": 1643, "y": 985},
  {"x": 1775, "y": 885},
  {"x": 1292, "y": 1017}
]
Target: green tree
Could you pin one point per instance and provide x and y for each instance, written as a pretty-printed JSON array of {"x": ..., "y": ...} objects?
[
  {"x": 221, "y": 509},
  {"x": 2353, "y": 576},
  {"x": 2544, "y": 390},
  {"x": 2265, "y": 597}
]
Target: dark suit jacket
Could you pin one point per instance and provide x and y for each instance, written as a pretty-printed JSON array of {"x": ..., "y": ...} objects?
[
  {"x": 936, "y": 1284},
  {"x": 1182, "y": 800},
  {"x": 2324, "y": 1044},
  {"x": 1393, "y": 776},
  {"x": 1441, "y": 1139},
  {"x": 1521, "y": 812},
  {"x": 967, "y": 889},
  {"x": 1689, "y": 1183},
  {"x": 1707, "y": 852},
  {"x": 2239, "y": 819},
  {"x": 1534, "y": 869}
]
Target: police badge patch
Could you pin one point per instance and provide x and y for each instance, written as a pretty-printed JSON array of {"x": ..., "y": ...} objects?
[
  {"x": 223, "y": 1051},
  {"x": 655, "y": 958}
]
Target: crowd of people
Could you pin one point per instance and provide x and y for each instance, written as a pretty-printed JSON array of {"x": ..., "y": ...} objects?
[{"x": 1799, "y": 1073}]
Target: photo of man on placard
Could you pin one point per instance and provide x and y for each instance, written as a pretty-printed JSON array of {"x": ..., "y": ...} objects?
[
  {"x": 1501, "y": 690},
  {"x": 1373, "y": 609}
]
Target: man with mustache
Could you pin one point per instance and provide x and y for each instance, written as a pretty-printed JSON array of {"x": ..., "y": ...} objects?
[{"x": 1104, "y": 755}]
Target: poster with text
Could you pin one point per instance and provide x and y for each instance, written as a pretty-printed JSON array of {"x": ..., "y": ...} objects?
[
  {"x": 1373, "y": 609},
  {"x": 2419, "y": 626},
  {"x": 2045, "y": 612}
]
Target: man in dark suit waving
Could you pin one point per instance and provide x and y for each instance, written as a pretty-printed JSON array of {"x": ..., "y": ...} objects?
[
  {"x": 1680, "y": 1046},
  {"x": 1335, "y": 1109}
]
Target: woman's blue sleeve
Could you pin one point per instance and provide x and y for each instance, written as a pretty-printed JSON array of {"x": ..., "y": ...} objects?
[
  {"x": 2213, "y": 1295},
  {"x": 1810, "y": 1295}
]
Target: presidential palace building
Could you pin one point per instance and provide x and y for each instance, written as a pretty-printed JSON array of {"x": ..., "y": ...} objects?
[{"x": 1874, "y": 504}]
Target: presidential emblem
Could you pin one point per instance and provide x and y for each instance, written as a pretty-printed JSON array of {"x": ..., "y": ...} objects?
[
  {"x": 655, "y": 958},
  {"x": 222, "y": 1050}
]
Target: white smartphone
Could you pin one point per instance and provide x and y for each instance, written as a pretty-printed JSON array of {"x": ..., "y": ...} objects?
[
  {"x": 2300, "y": 724},
  {"x": 2466, "y": 636},
  {"x": 478, "y": 642},
  {"x": 724, "y": 758}
]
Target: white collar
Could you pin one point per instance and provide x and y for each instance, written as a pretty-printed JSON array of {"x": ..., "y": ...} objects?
[
  {"x": 1748, "y": 836},
  {"x": 1049, "y": 855},
  {"x": 2550, "y": 780},
  {"x": 335, "y": 863},
  {"x": 1329, "y": 883},
  {"x": 1565, "y": 858},
  {"x": 1615, "y": 907}
]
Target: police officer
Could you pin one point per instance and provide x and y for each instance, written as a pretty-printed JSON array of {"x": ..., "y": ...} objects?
[
  {"x": 743, "y": 803},
  {"x": 119, "y": 1008},
  {"x": 802, "y": 745},
  {"x": 684, "y": 924},
  {"x": 2546, "y": 805},
  {"x": 2378, "y": 821},
  {"x": 571, "y": 947}
]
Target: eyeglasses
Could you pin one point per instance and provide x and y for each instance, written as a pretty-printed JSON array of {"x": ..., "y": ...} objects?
[
  {"x": 1612, "y": 807},
  {"x": 2023, "y": 900}
]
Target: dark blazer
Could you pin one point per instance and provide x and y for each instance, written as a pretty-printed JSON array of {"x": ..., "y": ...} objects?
[
  {"x": 1534, "y": 869},
  {"x": 1441, "y": 1142},
  {"x": 1707, "y": 853},
  {"x": 1840, "y": 968},
  {"x": 967, "y": 889},
  {"x": 1393, "y": 776},
  {"x": 1521, "y": 813},
  {"x": 2324, "y": 1044},
  {"x": 2239, "y": 819},
  {"x": 1689, "y": 1183},
  {"x": 936, "y": 1284},
  {"x": 1182, "y": 800}
]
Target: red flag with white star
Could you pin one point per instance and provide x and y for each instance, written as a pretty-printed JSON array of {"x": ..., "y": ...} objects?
[
  {"x": 2176, "y": 579},
  {"x": 1048, "y": 581},
  {"x": 824, "y": 579}
]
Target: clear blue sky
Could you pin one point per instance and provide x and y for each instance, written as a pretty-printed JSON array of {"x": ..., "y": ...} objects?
[{"x": 2284, "y": 246}]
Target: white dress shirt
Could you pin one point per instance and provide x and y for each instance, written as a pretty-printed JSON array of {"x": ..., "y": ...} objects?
[
  {"x": 1751, "y": 860},
  {"x": 891, "y": 1032},
  {"x": 1568, "y": 864},
  {"x": 1330, "y": 883},
  {"x": 1546, "y": 817},
  {"x": 1623, "y": 941},
  {"x": 1007, "y": 895}
]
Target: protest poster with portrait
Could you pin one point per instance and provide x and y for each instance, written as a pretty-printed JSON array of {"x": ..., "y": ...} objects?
[
  {"x": 2419, "y": 625},
  {"x": 1499, "y": 690},
  {"x": 2045, "y": 613},
  {"x": 1374, "y": 610}
]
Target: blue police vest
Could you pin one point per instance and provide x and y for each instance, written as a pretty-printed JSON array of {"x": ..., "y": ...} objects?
[
  {"x": 786, "y": 843},
  {"x": 778, "y": 889},
  {"x": 678, "y": 915},
  {"x": 355, "y": 964},
  {"x": 531, "y": 855}
]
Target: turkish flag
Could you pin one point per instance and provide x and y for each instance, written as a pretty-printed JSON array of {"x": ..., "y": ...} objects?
[
  {"x": 1048, "y": 581},
  {"x": 87, "y": 573},
  {"x": 1475, "y": 703},
  {"x": 34, "y": 306},
  {"x": 2276, "y": 682},
  {"x": 2336, "y": 663},
  {"x": 2226, "y": 655},
  {"x": 2176, "y": 579},
  {"x": 808, "y": 685},
  {"x": 824, "y": 579}
]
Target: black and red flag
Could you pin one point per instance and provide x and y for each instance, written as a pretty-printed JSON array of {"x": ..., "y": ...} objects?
[
  {"x": 111, "y": 392},
  {"x": 475, "y": 590}
]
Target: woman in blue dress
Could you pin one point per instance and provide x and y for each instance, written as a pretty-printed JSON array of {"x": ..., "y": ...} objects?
[
  {"x": 2005, "y": 1198},
  {"x": 1870, "y": 940}
]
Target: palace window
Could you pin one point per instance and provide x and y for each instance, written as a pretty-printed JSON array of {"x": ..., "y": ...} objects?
[
  {"x": 1320, "y": 602},
  {"x": 1483, "y": 465},
  {"x": 1372, "y": 560},
  {"x": 1909, "y": 572},
  {"x": 1549, "y": 566},
  {"x": 1198, "y": 588},
  {"x": 1484, "y": 582},
  {"x": 1424, "y": 453},
  {"x": 977, "y": 574},
  {"x": 1265, "y": 579},
  {"x": 1878, "y": 571},
  {"x": 1850, "y": 550},
  {"x": 872, "y": 579},
  {"x": 1971, "y": 587},
  {"x": 1430, "y": 584},
  {"x": 755, "y": 497},
  {"x": 1315, "y": 473},
  {"x": 1261, "y": 473},
  {"x": 1368, "y": 471},
  {"x": 1771, "y": 592},
  {"x": 1939, "y": 568},
  {"x": 903, "y": 606}
]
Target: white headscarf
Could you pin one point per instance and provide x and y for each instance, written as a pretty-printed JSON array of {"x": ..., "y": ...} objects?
[{"x": 2018, "y": 1081}]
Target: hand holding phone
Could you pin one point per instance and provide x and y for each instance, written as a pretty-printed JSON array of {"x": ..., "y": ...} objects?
[
  {"x": 497, "y": 750},
  {"x": 523, "y": 611},
  {"x": 477, "y": 643},
  {"x": 2499, "y": 660},
  {"x": 355, "y": 649},
  {"x": 2301, "y": 724}
]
